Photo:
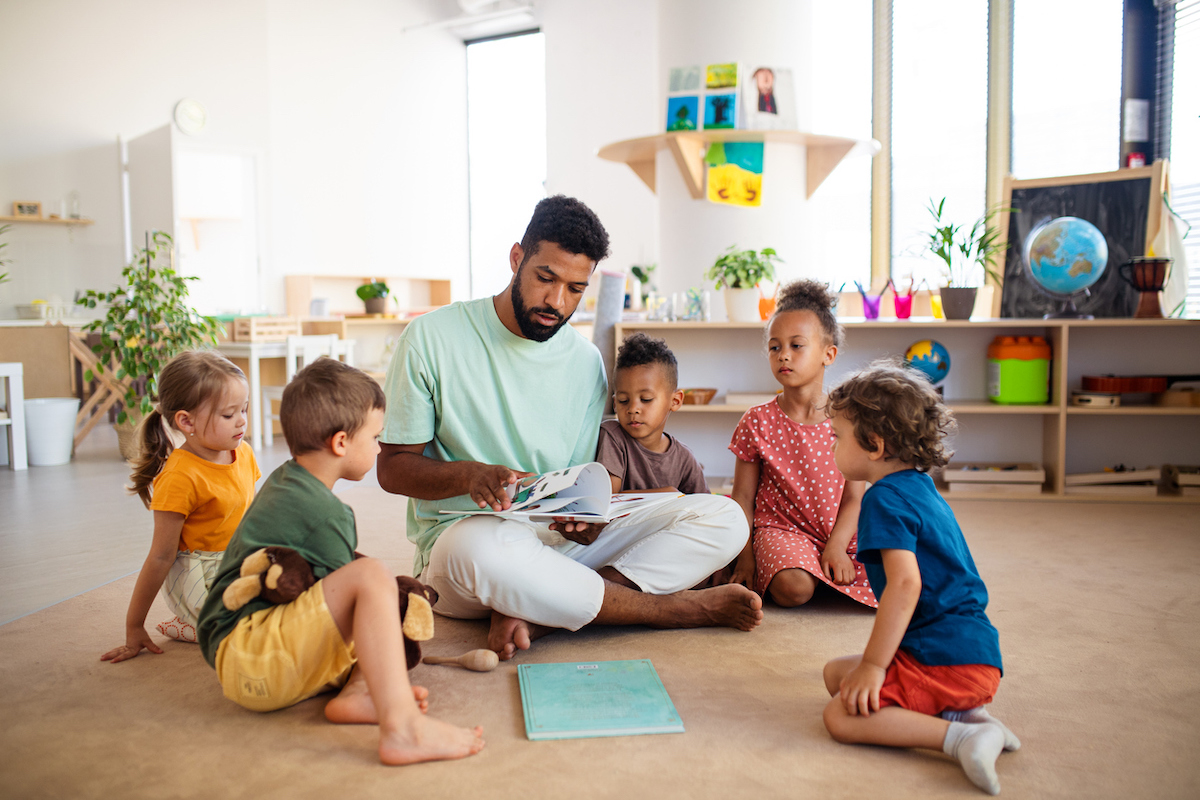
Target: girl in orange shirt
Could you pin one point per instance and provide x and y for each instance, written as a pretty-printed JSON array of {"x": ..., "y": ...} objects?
[{"x": 198, "y": 491}]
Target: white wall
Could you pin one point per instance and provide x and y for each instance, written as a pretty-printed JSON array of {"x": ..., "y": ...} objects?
[
  {"x": 602, "y": 86},
  {"x": 78, "y": 74}
]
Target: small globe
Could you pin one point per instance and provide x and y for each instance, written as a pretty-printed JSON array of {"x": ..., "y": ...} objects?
[
  {"x": 1066, "y": 255},
  {"x": 930, "y": 358}
]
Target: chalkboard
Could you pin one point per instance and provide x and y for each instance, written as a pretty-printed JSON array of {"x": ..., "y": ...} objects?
[{"x": 1125, "y": 205}]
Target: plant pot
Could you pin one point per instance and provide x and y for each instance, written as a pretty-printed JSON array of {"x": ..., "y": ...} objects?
[
  {"x": 126, "y": 439},
  {"x": 376, "y": 305},
  {"x": 958, "y": 301},
  {"x": 741, "y": 305}
]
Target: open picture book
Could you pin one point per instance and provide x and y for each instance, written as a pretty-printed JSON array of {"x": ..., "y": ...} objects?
[{"x": 581, "y": 493}]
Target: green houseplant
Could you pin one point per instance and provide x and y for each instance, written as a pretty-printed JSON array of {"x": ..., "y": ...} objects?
[
  {"x": 147, "y": 322},
  {"x": 739, "y": 272},
  {"x": 967, "y": 253},
  {"x": 4, "y": 261},
  {"x": 374, "y": 296}
]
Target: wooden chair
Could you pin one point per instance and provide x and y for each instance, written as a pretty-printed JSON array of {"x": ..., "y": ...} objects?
[{"x": 301, "y": 351}]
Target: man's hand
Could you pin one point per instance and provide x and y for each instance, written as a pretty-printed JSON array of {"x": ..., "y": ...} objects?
[
  {"x": 837, "y": 566},
  {"x": 860, "y": 689},
  {"x": 579, "y": 532},
  {"x": 487, "y": 484}
]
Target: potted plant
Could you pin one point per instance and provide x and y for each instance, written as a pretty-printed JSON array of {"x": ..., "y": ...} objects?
[
  {"x": 3, "y": 261},
  {"x": 739, "y": 272},
  {"x": 374, "y": 296},
  {"x": 147, "y": 323},
  {"x": 642, "y": 273},
  {"x": 963, "y": 250}
]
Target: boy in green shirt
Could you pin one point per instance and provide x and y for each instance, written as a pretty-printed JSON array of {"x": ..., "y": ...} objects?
[{"x": 269, "y": 657}]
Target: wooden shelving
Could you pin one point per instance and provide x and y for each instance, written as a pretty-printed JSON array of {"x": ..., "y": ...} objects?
[
  {"x": 1074, "y": 439},
  {"x": 47, "y": 221},
  {"x": 823, "y": 153}
]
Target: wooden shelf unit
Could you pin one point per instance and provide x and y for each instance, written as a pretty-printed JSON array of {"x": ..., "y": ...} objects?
[
  {"x": 731, "y": 356},
  {"x": 688, "y": 147},
  {"x": 47, "y": 221},
  {"x": 407, "y": 293}
]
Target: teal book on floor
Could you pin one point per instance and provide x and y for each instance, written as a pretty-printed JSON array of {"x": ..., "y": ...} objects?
[{"x": 600, "y": 698}]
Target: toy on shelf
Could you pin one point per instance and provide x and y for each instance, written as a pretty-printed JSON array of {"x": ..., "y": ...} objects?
[
  {"x": 1148, "y": 276},
  {"x": 1065, "y": 256},
  {"x": 930, "y": 358},
  {"x": 1018, "y": 370},
  {"x": 994, "y": 478}
]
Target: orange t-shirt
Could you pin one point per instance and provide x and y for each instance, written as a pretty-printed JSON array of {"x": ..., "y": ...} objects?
[{"x": 212, "y": 497}]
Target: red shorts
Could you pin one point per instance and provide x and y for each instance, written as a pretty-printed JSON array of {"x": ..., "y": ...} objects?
[{"x": 932, "y": 690}]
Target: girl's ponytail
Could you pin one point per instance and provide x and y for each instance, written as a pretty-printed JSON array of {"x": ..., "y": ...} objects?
[{"x": 153, "y": 448}]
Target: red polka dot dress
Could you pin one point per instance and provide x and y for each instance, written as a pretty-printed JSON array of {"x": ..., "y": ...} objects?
[{"x": 799, "y": 492}]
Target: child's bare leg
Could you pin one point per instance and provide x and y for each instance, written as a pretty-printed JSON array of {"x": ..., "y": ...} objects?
[
  {"x": 364, "y": 602},
  {"x": 353, "y": 704},
  {"x": 838, "y": 669},
  {"x": 975, "y": 746},
  {"x": 792, "y": 587}
]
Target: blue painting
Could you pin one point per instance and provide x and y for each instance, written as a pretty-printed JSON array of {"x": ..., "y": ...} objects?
[
  {"x": 720, "y": 111},
  {"x": 683, "y": 113}
]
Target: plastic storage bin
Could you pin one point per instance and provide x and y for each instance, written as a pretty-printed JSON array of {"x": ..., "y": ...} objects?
[
  {"x": 50, "y": 429},
  {"x": 1019, "y": 370}
]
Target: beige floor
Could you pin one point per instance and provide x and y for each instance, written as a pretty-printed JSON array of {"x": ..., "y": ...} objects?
[{"x": 1096, "y": 604}]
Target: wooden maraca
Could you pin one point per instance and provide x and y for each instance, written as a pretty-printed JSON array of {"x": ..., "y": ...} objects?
[{"x": 476, "y": 660}]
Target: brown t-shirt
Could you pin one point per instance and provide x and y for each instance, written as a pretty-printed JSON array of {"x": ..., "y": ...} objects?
[{"x": 640, "y": 469}]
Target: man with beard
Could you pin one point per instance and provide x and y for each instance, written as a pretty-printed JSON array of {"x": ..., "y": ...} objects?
[{"x": 484, "y": 392}]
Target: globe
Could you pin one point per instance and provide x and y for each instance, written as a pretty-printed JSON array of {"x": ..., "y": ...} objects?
[
  {"x": 1065, "y": 256},
  {"x": 930, "y": 358}
]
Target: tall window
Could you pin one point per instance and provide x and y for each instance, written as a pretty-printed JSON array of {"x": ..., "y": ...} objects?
[
  {"x": 841, "y": 106},
  {"x": 939, "y": 124},
  {"x": 1066, "y": 107},
  {"x": 1185, "y": 136},
  {"x": 506, "y": 135}
]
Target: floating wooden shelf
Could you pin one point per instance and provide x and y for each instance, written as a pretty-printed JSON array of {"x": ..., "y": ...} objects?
[
  {"x": 47, "y": 220},
  {"x": 688, "y": 147}
]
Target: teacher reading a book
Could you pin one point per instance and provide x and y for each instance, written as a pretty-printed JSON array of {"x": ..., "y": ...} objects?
[{"x": 484, "y": 392}]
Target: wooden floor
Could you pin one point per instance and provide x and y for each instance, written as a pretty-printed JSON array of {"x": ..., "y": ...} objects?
[{"x": 68, "y": 529}]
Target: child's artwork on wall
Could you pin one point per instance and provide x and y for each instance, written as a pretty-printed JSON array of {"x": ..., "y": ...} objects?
[
  {"x": 721, "y": 76},
  {"x": 684, "y": 80},
  {"x": 720, "y": 110},
  {"x": 769, "y": 99},
  {"x": 735, "y": 173},
  {"x": 683, "y": 113}
]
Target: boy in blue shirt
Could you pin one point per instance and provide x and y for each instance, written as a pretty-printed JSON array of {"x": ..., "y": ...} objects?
[{"x": 933, "y": 659}]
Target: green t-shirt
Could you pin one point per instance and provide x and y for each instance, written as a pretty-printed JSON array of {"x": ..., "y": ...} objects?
[
  {"x": 293, "y": 509},
  {"x": 475, "y": 391}
]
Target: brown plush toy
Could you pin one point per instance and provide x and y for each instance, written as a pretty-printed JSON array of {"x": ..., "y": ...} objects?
[{"x": 279, "y": 575}]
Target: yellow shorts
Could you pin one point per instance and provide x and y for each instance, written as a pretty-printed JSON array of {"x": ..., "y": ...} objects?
[{"x": 281, "y": 655}]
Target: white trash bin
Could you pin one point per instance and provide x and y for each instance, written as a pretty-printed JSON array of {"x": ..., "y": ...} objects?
[{"x": 50, "y": 429}]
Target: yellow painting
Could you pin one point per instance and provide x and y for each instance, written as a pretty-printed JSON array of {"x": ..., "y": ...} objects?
[{"x": 729, "y": 183}]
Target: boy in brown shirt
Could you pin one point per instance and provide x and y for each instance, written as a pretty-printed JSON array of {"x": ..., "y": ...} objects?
[{"x": 638, "y": 454}]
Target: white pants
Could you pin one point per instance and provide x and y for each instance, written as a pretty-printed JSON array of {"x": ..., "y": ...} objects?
[{"x": 481, "y": 563}]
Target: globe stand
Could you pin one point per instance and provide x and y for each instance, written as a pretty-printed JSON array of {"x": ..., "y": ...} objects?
[{"x": 1067, "y": 310}]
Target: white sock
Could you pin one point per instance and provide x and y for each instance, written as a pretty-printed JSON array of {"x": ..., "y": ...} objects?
[
  {"x": 980, "y": 714},
  {"x": 976, "y": 747}
]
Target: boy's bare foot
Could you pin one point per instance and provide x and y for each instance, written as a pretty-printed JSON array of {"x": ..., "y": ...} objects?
[
  {"x": 354, "y": 706},
  {"x": 728, "y": 606},
  {"x": 509, "y": 634},
  {"x": 429, "y": 739}
]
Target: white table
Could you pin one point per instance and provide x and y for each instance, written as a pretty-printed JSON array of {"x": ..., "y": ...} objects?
[
  {"x": 254, "y": 352},
  {"x": 12, "y": 374}
]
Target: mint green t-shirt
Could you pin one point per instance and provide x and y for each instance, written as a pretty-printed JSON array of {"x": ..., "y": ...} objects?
[{"x": 475, "y": 391}]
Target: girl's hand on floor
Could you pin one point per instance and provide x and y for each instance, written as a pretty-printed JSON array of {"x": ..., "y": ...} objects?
[
  {"x": 743, "y": 568},
  {"x": 133, "y": 645},
  {"x": 837, "y": 566},
  {"x": 860, "y": 689}
]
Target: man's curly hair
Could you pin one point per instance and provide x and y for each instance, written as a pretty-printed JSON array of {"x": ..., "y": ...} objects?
[
  {"x": 891, "y": 400},
  {"x": 808, "y": 295},
  {"x": 640, "y": 349},
  {"x": 569, "y": 224}
]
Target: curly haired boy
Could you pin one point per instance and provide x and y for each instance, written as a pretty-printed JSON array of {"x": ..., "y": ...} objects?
[{"x": 933, "y": 659}]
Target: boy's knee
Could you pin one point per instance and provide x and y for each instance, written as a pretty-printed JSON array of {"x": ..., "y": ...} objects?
[
  {"x": 374, "y": 573},
  {"x": 835, "y": 721},
  {"x": 830, "y": 676}
]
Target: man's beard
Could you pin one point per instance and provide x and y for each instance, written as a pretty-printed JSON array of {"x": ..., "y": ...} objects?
[{"x": 531, "y": 328}]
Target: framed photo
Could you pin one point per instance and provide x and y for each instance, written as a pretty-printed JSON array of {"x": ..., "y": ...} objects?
[{"x": 27, "y": 208}]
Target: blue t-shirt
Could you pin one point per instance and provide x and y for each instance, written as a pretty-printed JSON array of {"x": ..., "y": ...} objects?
[{"x": 905, "y": 512}]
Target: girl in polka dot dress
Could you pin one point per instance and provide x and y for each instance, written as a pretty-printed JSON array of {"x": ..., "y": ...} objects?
[{"x": 803, "y": 513}]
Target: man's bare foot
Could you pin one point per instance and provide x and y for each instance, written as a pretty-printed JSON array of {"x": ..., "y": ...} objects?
[
  {"x": 429, "y": 739},
  {"x": 354, "y": 706},
  {"x": 728, "y": 606},
  {"x": 509, "y": 634}
]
